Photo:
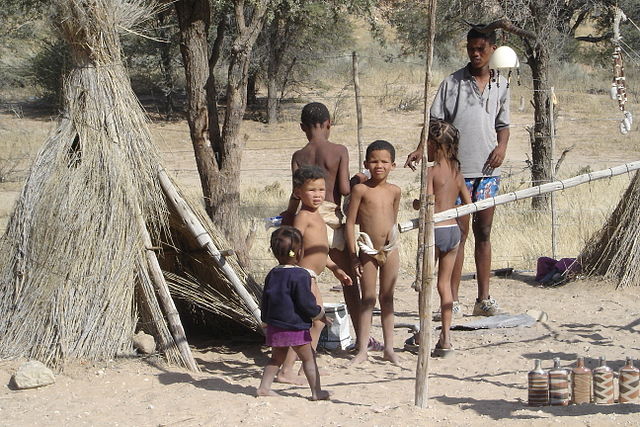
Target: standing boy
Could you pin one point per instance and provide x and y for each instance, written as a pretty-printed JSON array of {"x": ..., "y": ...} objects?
[
  {"x": 374, "y": 205},
  {"x": 478, "y": 105},
  {"x": 309, "y": 189},
  {"x": 315, "y": 122}
]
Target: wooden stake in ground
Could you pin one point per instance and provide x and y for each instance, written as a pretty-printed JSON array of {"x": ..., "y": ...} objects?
[
  {"x": 162, "y": 289},
  {"x": 356, "y": 87},
  {"x": 426, "y": 244}
]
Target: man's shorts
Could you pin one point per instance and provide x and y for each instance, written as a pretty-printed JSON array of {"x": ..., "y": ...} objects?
[{"x": 481, "y": 188}]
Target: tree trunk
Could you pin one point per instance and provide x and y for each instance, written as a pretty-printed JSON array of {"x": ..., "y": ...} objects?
[
  {"x": 273, "y": 100},
  {"x": 541, "y": 171},
  {"x": 252, "y": 81},
  {"x": 212, "y": 91},
  {"x": 165, "y": 63},
  {"x": 193, "y": 20}
]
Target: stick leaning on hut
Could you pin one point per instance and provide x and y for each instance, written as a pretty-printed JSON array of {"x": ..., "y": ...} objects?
[{"x": 77, "y": 275}]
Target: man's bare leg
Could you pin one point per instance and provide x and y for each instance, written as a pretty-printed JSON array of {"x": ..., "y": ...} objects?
[
  {"x": 456, "y": 274},
  {"x": 388, "y": 277},
  {"x": 368, "y": 289},
  {"x": 287, "y": 373},
  {"x": 278, "y": 354},
  {"x": 482, "y": 222},
  {"x": 351, "y": 293}
]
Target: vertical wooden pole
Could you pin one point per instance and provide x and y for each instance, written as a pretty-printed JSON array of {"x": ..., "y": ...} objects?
[
  {"x": 554, "y": 213},
  {"x": 426, "y": 227},
  {"x": 356, "y": 87},
  {"x": 170, "y": 310}
]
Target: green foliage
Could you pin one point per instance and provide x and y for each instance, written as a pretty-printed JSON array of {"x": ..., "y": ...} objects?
[{"x": 48, "y": 68}]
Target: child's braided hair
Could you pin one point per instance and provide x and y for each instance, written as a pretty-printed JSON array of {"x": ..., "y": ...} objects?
[
  {"x": 445, "y": 136},
  {"x": 286, "y": 241}
]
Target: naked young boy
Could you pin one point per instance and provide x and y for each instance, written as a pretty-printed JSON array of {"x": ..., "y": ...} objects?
[
  {"x": 315, "y": 122},
  {"x": 374, "y": 206},
  {"x": 309, "y": 188}
]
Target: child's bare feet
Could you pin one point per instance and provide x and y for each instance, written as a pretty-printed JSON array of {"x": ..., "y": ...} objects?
[
  {"x": 290, "y": 379},
  {"x": 263, "y": 393},
  {"x": 391, "y": 356},
  {"x": 358, "y": 358},
  {"x": 321, "y": 395}
]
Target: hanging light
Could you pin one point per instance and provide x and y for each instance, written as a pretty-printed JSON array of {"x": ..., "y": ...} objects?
[{"x": 504, "y": 58}]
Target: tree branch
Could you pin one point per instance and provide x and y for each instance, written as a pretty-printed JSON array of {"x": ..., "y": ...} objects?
[
  {"x": 505, "y": 25},
  {"x": 592, "y": 39}
]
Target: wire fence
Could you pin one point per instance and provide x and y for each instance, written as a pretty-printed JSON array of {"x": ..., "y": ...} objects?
[{"x": 392, "y": 110}]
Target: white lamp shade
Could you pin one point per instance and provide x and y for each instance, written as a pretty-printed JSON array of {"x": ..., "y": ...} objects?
[{"x": 504, "y": 57}]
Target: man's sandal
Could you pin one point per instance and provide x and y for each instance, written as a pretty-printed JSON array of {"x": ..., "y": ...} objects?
[{"x": 442, "y": 352}]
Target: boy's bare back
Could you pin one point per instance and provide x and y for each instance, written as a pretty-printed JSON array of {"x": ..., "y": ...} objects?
[
  {"x": 377, "y": 209},
  {"x": 334, "y": 159},
  {"x": 314, "y": 242}
]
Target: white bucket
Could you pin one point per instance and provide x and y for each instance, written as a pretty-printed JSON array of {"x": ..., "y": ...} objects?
[{"x": 338, "y": 334}]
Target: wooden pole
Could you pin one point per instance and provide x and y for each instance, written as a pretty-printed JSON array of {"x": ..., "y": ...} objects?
[
  {"x": 554, "y": 213},
  {"x": 204, "y": 240},
  {"x": 523, "y": 194},
  {"x": 356, "y": 87},
  {"x": 162, "y": 289},
  {"x": 426, "y": 221}
]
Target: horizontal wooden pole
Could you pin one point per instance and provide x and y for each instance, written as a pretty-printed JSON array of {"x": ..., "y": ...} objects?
[{"x": 523, "y": 194}]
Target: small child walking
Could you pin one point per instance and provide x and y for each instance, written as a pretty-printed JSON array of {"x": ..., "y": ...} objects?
[
  {"x": 288, "y": 309},
  {"x": 374, "y": 206},
  {"x": 446, "y": 183}
]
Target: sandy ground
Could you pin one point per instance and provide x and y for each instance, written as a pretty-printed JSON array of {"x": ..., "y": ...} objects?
[{"x": 485, "y": 382}]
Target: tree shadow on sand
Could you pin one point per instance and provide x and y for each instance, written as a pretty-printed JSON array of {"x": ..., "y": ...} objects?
[{"x": 501, "y": 409}]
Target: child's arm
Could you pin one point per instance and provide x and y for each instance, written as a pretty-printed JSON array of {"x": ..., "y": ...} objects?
[
  {"x": 350, "y": 228},
  {"x": 463, "y": 190},
  {"x": 340, "y": 274},
  {"x": 304, "y": 301},
  {"x": 396, "y": 202},
  {"x": 288, "y": 214},
  {"x": 343, "y": 172}
]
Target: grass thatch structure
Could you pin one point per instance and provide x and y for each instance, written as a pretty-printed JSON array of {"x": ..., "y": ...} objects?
[
  {"x": 614, "y": 251},
  {"x": 77, "y": 275}
]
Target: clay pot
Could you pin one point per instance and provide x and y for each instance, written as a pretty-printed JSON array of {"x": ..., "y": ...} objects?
[
  {"x": 581, "y": 382},
  {"x": 538, "y": 386},
  {"x": 603, "y": 383},
  {"x": 629, "y": 383},
  {"x": 559, "y": 390}
]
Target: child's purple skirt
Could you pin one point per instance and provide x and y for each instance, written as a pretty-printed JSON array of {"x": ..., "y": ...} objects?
[{"x": 278, "y": 337}]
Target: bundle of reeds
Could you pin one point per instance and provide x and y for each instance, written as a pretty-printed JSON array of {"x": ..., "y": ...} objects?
[
  {"x": 614, "y": 251},
  {"x": 73, "y": 253}
]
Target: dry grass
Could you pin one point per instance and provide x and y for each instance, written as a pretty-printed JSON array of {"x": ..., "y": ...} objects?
[{"x": 392, "y": 110}]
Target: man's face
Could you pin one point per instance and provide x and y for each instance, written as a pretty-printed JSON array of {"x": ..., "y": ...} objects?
[{"x": 479, "y": 51}]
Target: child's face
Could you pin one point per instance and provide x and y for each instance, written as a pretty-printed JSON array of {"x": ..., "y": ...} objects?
[
  {"x": 379, "y": 164},
  {"x": 311, "y": 193}
]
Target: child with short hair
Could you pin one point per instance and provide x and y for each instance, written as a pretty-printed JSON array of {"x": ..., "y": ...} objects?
[
  {"x": 446, "y": 183},
  {"x": 288, "y": 308},
  {"x": 315, "y": 122},
  {"x": 374, "y": 206},
  {"x": 309, "y": 188}
]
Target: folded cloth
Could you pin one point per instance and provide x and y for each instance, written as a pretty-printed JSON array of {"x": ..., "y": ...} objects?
[
  {"x": 333, "y": 217},
  {"x": 366, "y": 245}
]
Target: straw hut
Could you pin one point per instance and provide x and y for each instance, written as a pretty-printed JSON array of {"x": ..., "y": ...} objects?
[
  {"x": 614, "y": 251},
  {"x": 97, "y": 219}
]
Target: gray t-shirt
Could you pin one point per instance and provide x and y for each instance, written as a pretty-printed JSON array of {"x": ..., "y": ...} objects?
[{"x": 476, "y": 115}]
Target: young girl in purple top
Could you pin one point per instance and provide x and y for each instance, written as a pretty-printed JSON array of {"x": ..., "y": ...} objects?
[{"x": 288, "y": 309}]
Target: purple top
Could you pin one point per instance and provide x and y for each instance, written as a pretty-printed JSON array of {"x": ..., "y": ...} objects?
[{"x": 287, "y": 301}]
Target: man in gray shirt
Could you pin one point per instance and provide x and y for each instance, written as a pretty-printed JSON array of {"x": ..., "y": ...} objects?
[{"x": 477, "y": 104}]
